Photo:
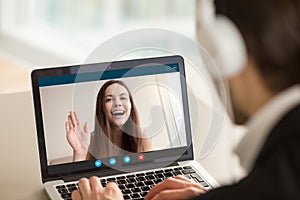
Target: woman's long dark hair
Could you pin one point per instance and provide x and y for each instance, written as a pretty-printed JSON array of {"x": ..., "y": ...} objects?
[{"x": 131, "y": 137}]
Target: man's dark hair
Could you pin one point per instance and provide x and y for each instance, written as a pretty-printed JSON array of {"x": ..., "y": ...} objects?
[{"x": 271, "y": 30}]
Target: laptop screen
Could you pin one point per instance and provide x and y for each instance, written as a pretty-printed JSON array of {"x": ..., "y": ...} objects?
[{"x": 111, "y": 116}]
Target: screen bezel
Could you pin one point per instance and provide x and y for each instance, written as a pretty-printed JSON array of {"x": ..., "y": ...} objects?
[{"x": 95, "y": 67}]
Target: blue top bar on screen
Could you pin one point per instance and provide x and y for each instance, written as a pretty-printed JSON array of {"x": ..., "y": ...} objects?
[{"x": 107, "y": 74}]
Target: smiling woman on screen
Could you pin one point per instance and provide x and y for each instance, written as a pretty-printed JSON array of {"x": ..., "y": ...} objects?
[{"x": 117, "y": 128}]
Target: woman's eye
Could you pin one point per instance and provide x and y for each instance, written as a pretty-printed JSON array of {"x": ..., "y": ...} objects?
[
  {"x": 107, "y": 100},
  {"x": 123, "y": 98}
]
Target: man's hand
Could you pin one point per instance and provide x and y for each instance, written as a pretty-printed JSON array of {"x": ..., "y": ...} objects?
[
  {"x": 93, "y": 190},
  {"x": 178, "y": 187}
]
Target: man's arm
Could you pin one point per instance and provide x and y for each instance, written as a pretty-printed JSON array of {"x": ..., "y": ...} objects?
[{"x": 276, "y": 176}]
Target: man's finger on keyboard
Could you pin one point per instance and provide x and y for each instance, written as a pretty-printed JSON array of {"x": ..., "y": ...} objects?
[
  {"x": 183, "y": 178},
  {"x": 174, "y": 187},
  {"x": 96, "y": 187},
  {"x": 191, "y": 181},
  {"x": 85, "y": 188},
  {"x": 113, "y": 191},
  {"x": 168, "y": 184},
  {"x": 76, "y": 195}
]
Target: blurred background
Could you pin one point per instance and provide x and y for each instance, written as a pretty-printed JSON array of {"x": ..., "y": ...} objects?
[
  {"x": 45, "y": 33},
  {"x": 41, "y": 33}
]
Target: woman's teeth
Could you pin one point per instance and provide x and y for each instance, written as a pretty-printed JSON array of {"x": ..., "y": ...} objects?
[{"x": 118, "y": 113}]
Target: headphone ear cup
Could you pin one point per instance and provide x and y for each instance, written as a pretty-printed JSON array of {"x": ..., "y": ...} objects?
[{"x": 225, "y": 45}]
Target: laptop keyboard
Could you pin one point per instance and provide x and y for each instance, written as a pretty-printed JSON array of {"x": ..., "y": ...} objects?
[{"x": 136, "y": 186}]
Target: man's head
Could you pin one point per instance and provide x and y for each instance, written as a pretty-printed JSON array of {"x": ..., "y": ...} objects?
[{"x": 271, "y": 31}]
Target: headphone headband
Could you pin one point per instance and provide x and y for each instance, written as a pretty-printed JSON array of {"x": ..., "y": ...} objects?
[{"x": 221, "y": 39}]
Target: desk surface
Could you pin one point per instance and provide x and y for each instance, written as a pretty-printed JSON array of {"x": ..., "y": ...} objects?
[
  {"x": 20, "y": 173},
  {"x": 20, "y": 168}
]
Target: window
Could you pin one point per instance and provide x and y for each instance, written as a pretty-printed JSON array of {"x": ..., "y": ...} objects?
[{"x": 70, "y": 29}]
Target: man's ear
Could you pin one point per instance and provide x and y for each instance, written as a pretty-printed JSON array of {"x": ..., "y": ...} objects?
[
  {"x": 248, "y": 91},
  {"x": 236, "y": 88}
]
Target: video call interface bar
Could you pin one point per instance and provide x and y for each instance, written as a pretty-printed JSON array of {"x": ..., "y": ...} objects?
[{"x": 107, "y": 74}]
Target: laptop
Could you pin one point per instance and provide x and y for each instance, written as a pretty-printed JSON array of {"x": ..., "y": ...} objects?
[{"x": 149, "y": 95}]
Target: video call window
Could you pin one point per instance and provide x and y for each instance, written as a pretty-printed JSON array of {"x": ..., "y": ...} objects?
[{"x": 112, "y": 117}]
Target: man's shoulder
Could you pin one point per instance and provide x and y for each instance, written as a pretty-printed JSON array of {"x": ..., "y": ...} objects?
[
  {"x": 287, "y": 126},
  {"x": 285, "y": 132}
]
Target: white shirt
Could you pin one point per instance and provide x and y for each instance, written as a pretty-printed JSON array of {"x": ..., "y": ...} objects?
[{"x": 260, "y": 125}]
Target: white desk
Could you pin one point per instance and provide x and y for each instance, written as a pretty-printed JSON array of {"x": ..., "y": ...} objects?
[
  {"x": 20, "y": 173},
  {"x": 20, "y": 168}
]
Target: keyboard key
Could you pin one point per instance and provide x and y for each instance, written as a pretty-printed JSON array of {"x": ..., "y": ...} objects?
[
  {"x": 126, "y": 191},
  {"x": 149, "y": 183},
  {"x": 188, "y": 171},
  {"x": 150, "y": 177},
  {"x": 158, "y": 180},
  {"x": 140, "y": 174},
  {"x": 149, "y": 173},
  {"x": 187, "y": 167},
  {"x": 111, "y": 179},
  {"x": 176, "y": 173},
  {"x": 63, "y": 191},
  {"x": 204, "y": 184},
  {"x": 130, "y": 176},
  {"x": 136, "y": 195},
  {"x": 139, "y": 184},
  {"x": 145, "y": 188},
  {"x": 71, "y": 185},
  {"x": 141, "y": 178},
  {"x": 159, "y": 176},
  {"x": 143, "y": 194},
  {"x": 135, "y": 190},
  {"x": 65, "y": 196},
  {"x": 71, "y": 189},
  {"x": 131, "y": 180},
  {"x": 120, "y": 177},
  {"x": 168, "y": 174},
  {"x": 103, "y": 180},
  {"x": 122, "y": 187},
  {"x": 159, "y": 171},
  {"x": 177, "y": 168},
  {"x": 197, "y": 177},
  {"x": 126, "y": 196},
  {"x": 168, "y": 170},
  {"x": 60, "y": 187},
  {"x": 121, "y": 181},
  {"x": 130, "y": 185}
]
